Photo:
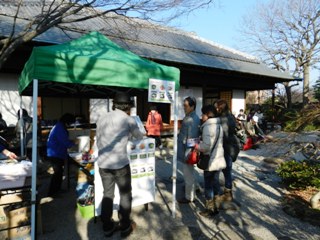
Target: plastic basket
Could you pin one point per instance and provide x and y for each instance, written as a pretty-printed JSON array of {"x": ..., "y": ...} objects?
[{"x": 86, "y": 212}]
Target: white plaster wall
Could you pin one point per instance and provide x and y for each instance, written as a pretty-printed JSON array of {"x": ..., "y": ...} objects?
[
  {"x": 238, "y": 101},
  {"x": 10, "y": 99},
  {"x": 183, "y": 93},
  {"x": 96, "y": 104}
]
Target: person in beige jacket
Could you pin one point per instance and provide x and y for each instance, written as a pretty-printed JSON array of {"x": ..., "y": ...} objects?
[{"x": 211, "y": 147}]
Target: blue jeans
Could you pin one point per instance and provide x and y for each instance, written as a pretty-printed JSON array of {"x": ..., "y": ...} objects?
[
  {"x": 211, "y": 184},
  {"x": 121, "y": 177},
  {"x": 227, "y": 172}
]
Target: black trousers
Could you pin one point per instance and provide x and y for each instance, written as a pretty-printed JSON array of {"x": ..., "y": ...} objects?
[
  {"x": 121, "y": 177},
  {"x": 157, "y": 139},
  {"x": 56, "y": 179}
]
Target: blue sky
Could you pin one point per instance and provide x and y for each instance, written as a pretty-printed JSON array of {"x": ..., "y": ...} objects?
[{"x": 219, "y": 23}]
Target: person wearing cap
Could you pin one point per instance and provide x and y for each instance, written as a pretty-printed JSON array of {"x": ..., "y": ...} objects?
[
  {"x": 112, "y": 134},
  {"x": 190, "y": 129},
  {"x": 253, "y": 130},
  {"x": 261, "y": 121}
]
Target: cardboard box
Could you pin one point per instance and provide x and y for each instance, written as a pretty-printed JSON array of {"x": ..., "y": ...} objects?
[
  {"x": 18, "y": 217},
  {"x": 11, "y": 217}
]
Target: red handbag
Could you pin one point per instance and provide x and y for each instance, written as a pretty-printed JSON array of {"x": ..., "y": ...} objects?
[{"x": 193, "y": 157}]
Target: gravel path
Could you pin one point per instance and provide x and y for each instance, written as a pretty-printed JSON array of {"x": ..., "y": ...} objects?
[{"x": 256, "y": 214}]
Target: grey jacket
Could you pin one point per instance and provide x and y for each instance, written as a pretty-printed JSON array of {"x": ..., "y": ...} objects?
[
  {"x": 190, "y": 128},
  {"x": 113, "y": 132}
]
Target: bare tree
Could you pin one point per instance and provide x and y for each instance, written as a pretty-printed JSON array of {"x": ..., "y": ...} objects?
[
  {"x": 286, "y": 35},
  {"x": 60, "y": 13}
]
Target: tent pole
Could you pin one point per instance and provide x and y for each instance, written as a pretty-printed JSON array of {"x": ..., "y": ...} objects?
[
  {"x": 21, "y": 126},
  {"x": 175, "y": 148},
  {"x": 34, "y": 159}
]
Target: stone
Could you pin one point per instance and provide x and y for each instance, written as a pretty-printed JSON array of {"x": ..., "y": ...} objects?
[
  {"x": 274, "y": 160},
  {"x": 268, "y": 167},
  {"x": 250, "y": 176},
  {"x": 307, "y": 138},
  {"x": 298, "y": 156},
  {"x": 262, "y": 177},
  {"x": 284, "y": 238},
  {"x": 315, "y": 201}
]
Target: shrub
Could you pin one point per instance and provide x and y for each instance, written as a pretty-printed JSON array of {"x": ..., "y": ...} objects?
[
  {"x": 300, "y": 175},
  {"x": 308, "y": 119}
]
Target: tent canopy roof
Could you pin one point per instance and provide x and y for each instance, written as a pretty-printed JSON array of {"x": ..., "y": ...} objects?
[{"x": 89, "y": 66}]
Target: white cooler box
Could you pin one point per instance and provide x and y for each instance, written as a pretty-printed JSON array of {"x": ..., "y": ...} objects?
[{"x": 13, "y": 175}]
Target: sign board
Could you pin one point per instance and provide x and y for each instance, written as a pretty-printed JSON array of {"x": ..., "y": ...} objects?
[
  {"x": 142, "y": 162},
  {"x": 161, "y": 91}
]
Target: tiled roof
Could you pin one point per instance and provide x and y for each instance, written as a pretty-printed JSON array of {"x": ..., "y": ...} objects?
[{"x": 145, "y": 39}]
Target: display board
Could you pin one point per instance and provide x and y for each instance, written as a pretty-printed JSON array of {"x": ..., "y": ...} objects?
[
  {"x": 161, "y": 91},
  {"x": 142, "y": 162}
]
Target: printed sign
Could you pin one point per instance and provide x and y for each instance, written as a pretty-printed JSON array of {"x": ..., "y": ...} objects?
[
  {"x": 142, "y": 163},
  {"x": 161, "y": 91}
]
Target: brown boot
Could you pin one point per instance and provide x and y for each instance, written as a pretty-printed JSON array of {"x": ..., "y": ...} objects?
[
  {"x": 210, "y": 209},
  {"x": 227, "y": 195},
  {"x": 217, "y": 202},
  {"x": 208, "y": 212}
]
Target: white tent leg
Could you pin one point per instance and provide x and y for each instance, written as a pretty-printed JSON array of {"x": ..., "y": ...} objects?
[
  {"x": 175, "y": 148},
  {"x": 21, "y": 126},
  {"x": 34, "y": 159}
]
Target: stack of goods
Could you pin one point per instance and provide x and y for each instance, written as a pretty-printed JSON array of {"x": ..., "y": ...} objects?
[{"x": 85, "y": 191}]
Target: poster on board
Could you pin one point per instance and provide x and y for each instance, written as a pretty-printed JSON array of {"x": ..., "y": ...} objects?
[
  {"x": 142, "y": 162},
  {"x": 141, "y": 154},
  {"x": 161, "y": 91}
]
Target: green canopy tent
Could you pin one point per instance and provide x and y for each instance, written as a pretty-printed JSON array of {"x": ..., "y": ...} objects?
[
  {"x": 92, "y": 60},
  {"x": 91, "y": 66}
]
